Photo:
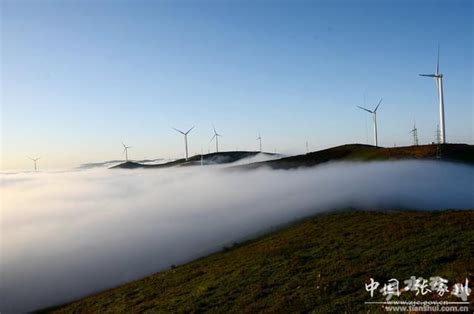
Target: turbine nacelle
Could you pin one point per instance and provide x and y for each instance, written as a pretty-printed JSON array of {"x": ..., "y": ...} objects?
[
  {"x": 439, "y": 75},
  {"x": 184, "y": 133},
  {"x": 34, "y": 159},
  {"x": 372, "y": 111}
]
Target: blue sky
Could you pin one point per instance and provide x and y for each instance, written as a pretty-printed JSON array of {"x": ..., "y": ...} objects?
[{"x": 80, "y": 77}]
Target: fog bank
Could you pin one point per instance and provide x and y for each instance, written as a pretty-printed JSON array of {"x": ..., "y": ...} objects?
[{"x": 68, "y": 234}]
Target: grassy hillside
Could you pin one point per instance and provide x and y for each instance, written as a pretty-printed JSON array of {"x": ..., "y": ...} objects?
[
  {"x": 357, "y": 152},
  {"x": 208, "y": 159},
  {"x": 319, "y": 264},
  {"x": 352, "y": 152}
]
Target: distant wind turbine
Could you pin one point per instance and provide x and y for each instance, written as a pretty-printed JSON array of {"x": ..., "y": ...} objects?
[
  {"x": 216, "y": 136},
  {"x": 35, "y": 160},
  {"x": 125, "y": 150},
  {"x": 415, "y": 135},
  {"x": 185, "y": 139},
  {"x": 202, "y": 157},
  {"x": 439, "y": 84},
  {"x": 259, "y": 138},
  {"x": 374, "y": 118}
]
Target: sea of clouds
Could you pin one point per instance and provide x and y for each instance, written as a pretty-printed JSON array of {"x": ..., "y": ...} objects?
[{"x": 68, "y": 234}]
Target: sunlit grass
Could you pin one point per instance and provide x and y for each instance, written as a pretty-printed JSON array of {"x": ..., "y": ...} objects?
[{"x": 319, "y": 264}]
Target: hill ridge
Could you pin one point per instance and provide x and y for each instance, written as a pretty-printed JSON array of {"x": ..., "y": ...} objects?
[{"x": 360, "y": 152}]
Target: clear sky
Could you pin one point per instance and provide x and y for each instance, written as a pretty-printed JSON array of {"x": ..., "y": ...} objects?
[{"x": 80, "y": 77}]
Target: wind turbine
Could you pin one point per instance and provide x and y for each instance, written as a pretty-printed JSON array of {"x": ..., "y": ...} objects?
[
  {"x": 185, "y": 139},
  {"x": 125, "y": 150},
  {"x": 202, "y": 157},
  {"x": 259, "y": 138},
  {"x": 35, "y": 160},
  {"x": 374, "y": 119},
  {"x": 216, "y": 136},
  {"x": 439, "y": 85},
  {"x": 415, "y": 135}
]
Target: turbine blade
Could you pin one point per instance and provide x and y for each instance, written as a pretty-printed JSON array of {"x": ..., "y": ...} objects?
[
  {"x": 437, "y": 64},
  {"x": 378, "y": 105},
  {"x": 212, "y": 138},
  {"x": 365, "y": 109},
  {"x": 178, "y": 131},
  {"x": 428, "y": 75},
  {"x": 189, "y": 130}
]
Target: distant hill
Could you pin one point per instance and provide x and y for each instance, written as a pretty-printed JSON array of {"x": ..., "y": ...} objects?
[
  {"x": 208, "y": 159},
  {"x": 319, "y": 265},
  {"x": 109, "y": 163},
  {"x": 358, "y": 152}
]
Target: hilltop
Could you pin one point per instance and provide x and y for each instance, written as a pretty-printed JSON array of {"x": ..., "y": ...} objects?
[
  {"x": 111, "y": 163},
  {"x": 208, "y": 159},
  {"x": 358, "y": 152},
  {"x": 319, "y": 264}
]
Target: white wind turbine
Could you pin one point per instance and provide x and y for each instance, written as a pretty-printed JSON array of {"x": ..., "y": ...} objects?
[
  {"x": 259, "y": 138},
  {"x": 35, "y": 160},
  {"x": 439, "y": 84},
  {"x": 185, "y": 139},
  {"x": 374, "y": 119},
  {"x": 125, "y": 150},
  {"x": 216, "y": 136}
]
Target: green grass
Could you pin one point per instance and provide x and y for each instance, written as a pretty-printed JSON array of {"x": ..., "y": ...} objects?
[{"x": 319, "y": 265}]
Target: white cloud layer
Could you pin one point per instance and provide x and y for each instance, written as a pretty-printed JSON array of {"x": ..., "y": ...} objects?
[{"x": 65, "y": 235}]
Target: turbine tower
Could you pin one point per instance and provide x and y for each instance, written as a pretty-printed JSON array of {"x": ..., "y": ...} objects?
[
  {"x": 437, "y": 135},
  {"x": 125, "y": 150},
  {"x": 439, "y": 84},
  {"x": 374, "y": 119},
  {"x": 259, "y": 138},
  {"x": 216, "y": 136},
  {"x": 35, "y": 160},
  {"x": 415, "y": 135},
  {"x": 185, "y": 139}
]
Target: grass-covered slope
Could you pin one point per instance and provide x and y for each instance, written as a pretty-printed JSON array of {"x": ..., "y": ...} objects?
[
  {"x": 358, "y": 152},
  {"x": 320, "y": 265},
  {"x": 208, "y": 159}
]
